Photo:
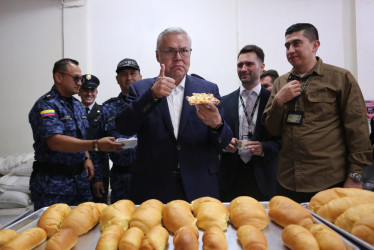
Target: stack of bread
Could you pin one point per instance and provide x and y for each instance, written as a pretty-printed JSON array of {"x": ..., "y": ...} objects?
[{"x": 348, "y": 208}]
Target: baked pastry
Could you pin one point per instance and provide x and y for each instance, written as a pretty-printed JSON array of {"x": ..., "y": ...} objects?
[
  {"x": 28, "y": 239},
  {"x": 214, "y": 239},
  {"x": 202, "y": 98},
  {"x": 327, "y": 238},
  {"x": 147, "y": 215},
  {"x": 210, "y": 212},
  {"x": 336, "y": 207},
  {"x": 245, "y": 210},
  {"x": 82, "y": 218},
  {"x": 6, "y": 235},
  {"x": 186, "y": 238},
  {"x": 132, "y": 239},
  {"x": 110, "y": 238},
  {"x": 51, "y": 219},
  {"x": 353, "y": 214},
  {"x": 118, "y": 213},
  {"x": 176, "y": 214},
  {"x": 299, "y": 238},
  {"x": 65, "y": 239},
  {"x": 323, "y": 197},
  {"x": 156, "y": 239},
  {"x": 251, "y": 237},
  {"x": 364, "y": 229},
  {"x": 284, "y": 211}
]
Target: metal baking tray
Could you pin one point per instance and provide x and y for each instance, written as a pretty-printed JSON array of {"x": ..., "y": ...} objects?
[
  {"x": 16, "y": 217},
  {"x": 273, "y": 234},
  {"x": 351, "y": 237}
]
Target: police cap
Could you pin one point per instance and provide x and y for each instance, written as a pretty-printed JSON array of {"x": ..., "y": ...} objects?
[
  {"x": 127, "y": 63},
  {"x": 90, "y": 82}
]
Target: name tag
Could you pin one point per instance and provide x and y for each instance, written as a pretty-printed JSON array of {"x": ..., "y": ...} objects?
[{"x": 295, "y": 117}]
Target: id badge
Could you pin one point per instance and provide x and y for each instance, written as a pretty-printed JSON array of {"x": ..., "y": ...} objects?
[{"x": 295, "y": 117}]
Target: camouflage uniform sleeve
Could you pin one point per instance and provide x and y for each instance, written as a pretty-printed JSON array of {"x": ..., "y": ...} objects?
[{"x": 48, "y": 120}]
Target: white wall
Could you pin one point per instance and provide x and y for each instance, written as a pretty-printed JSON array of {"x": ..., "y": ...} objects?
[{"x": 36, "y": 33}]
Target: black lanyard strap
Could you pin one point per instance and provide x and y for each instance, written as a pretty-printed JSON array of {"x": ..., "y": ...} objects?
[{"x": 249, "y": 118}]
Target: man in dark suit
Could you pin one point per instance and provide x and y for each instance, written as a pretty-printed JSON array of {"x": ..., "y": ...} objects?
[
  {"x": 178, "y": 144},
  {"x": 249, "y": 162},
  {"x": 88, "y": 93}
]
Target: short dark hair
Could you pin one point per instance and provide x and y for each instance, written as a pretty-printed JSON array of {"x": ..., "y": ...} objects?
[
  {"x": 253, "y": 48},
  {"x": 271, "y": 72},
  {"x": 310, "y": 31},
  {"x": 62, "y": 64}
]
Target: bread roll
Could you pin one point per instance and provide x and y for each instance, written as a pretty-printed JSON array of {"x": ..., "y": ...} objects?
[
  {"x": 132, "y": 239},
  {"x": 148, "y": 215},
  {"x": 251, "y": 237},
  {"x": 186, "y": 238},
  {"x": 156, "y": 239},
  {"x": 323, "y": 197},
  {"x": 176, "y": 214},
  {"x": 327, "y": 238},
  {"x": 118, "y": 213},
  {"x": 6, "y": 235},
  {"x": 28, "y": 239},
  {"x": 51, "y": 218},
  {"x": 299, "y": 238},
  {"x": 284, "y": 211},
  {"x": 101, "y": 207},
  {"x": 109, "y": 239},
  {"x": 65, "y": 239},
  {"x": 245, "y": 210},
  {"x": 82, "y": 218},
  {"x": 214, "y": 239},
  {"x": 210, "y": 212},
  {"x": 336, "y": 207},
  {"x": 354, "y": 214},
  {"x": 364, "y": 229}
]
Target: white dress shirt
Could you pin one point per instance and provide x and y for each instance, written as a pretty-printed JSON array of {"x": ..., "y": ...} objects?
[
  {"x": 242, "y": 117},
  {"x": 175, "y": 103}
]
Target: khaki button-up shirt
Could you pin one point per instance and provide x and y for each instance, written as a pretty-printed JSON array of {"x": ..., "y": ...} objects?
[{"x": 333, "y": 138}]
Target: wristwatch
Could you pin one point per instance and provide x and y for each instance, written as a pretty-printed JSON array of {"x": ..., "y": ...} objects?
[
  {"x": 356, "y": 177},
  {"x": 96, "y": 145},
  {"x": 218, "y": 128}
]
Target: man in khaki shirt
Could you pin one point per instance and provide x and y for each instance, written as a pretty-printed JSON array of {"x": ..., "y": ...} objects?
[{"x": 319, "y": 112}]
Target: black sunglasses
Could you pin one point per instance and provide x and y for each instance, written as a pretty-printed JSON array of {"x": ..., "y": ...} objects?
[{"x": 76, "y": 79}]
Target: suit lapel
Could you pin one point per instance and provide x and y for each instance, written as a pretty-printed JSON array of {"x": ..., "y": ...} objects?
[{"x": 261, "y": 107}]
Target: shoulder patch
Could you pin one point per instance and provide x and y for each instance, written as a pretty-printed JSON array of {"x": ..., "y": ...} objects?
[
  {"x": 47, "y": 112},
  {"x": 110, "y": 100}
]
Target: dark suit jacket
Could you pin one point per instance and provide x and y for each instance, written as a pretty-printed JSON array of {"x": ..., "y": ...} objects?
[
  {"x": 196, "y": 150},
  {"x": 93, "y": 119},
  {"x": 265, "y": 167}
]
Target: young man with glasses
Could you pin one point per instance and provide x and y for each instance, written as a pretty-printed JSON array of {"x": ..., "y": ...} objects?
[
  {"x": 178, "y": 145},
  {"x": 62, "y": 167}
]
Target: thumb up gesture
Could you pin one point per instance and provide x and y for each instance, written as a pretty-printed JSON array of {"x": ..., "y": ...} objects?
[{"x": 164, "y": 85}]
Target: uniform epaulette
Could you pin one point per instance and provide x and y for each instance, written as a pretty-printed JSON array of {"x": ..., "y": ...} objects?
[
  {"x": 48, "y": 96},
  {"x": 110, "y": 100}
]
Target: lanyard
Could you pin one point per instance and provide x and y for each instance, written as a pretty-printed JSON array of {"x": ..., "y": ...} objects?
[
  {"x": 302, "y": 89},
  {"x": 249, "y": 119}
]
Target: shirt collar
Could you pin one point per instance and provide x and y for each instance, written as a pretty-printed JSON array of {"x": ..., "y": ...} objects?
[
  {"x": 256, "y": 89},
  {"x": 317, "y": 69}
]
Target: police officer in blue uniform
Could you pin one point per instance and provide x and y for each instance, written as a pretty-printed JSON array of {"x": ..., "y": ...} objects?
[
  {"x": 128, "y": 72},
  {"x": 88, "y": 93},
  {"x": 62, "y": 167}
]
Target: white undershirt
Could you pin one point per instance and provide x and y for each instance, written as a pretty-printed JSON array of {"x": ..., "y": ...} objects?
[
  {"x": 242, "y": 117},
  {"x": 175, "y": 103}
]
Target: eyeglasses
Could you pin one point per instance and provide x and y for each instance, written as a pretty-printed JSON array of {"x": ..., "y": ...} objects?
[
  {"x": 76, "y": 79},
  {"x": 171, "y": 53}
]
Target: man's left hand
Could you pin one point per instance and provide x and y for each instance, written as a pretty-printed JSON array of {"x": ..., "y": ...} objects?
[
  {"x": 89, "y": 168},
  {"x": 209, "y": 114}
]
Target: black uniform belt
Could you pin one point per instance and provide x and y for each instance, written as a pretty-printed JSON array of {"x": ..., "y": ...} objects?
[
  {"x": 121, "y": 169},
  {"x": 57, "y": 169}
]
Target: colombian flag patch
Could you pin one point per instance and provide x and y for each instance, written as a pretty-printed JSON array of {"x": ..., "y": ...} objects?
[{"x": 47, "y": 112}]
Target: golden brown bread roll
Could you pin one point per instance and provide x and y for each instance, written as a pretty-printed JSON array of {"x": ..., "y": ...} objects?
[
  {"x": 186, "y": 238},
  {"x": 251, "y": 237},
  {"x": 118, "y": 213},
  {"x": 6, "y": 235},
  {"x": 176, "y": 214},
  {"x": 327, "y": 238},
  {"x": 51, "y": 218},
  {"x": 132, "y": 239},
  {"x": 214, "y": 239},
  {"x": 336, "y": 207},
  {"x": 65, "y": 239},
  {"x": 284, "y": 211},
  {"x": 28, "y": 239},
  {"x": 323, "y": 197},
  {"x": 101, "y": 207},
  {"x": 148, "y": 215},
  {"x": 82, "y": 218},
  {"x": 109, "y": 239},
  {"x": 156, "y": 239},
  {"x": 299, "y": 238},
  {"x": 245, "y": 210},
  {"x": 210, "y": 212},
  {"x": 364, "y": 229},
  {"x": 353, "y": 214}
]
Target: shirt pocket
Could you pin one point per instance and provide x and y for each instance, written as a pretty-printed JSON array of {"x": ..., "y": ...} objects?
[
  {"x": 70, "y": 127},
  {"x": 321, "y": 104}
]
